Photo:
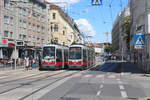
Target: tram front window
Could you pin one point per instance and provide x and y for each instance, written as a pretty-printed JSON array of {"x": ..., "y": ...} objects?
[
  {"x": 75, "y": 53},
  {"x": 49, "y": 52}
]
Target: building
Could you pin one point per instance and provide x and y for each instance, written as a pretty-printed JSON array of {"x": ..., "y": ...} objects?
[
  {"x": 24, "y": 24},
  {"x": 7, "y": 28},
  {"x": 99, "y": 48},
  {"x": 63, "y": 29},
  {"x": 37, "y": 25},
  {"x": 118, "y": 35},
  {"x": 140, "y": 16}
]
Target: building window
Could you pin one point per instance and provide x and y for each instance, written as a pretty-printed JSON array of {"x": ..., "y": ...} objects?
[
  {"x": 38, "y": 28},
  {"x": 54, "y": 15},
  {"x": 6, "y": 20},
  {"x": 38, "y": 38},
  {"x": 11, "y": 20},
  {"x": 51, "y": 28},
  {"x": 11, "y": 34},
  {"x": 63, "y": 32},
  {"x": 24, "y": 36},
  {"x": 20, "y": 36},
  {"x": 56, "y": 28},
  {"x": 5, "y": 33},
  {"x": 6, "y": 3}
]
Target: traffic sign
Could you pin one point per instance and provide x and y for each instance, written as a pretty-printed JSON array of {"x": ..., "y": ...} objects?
[
  {"x": 96, "y": 2},
  {"x": 139, "y": 41}
]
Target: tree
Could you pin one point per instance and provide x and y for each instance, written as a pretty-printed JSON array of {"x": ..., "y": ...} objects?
[
  {"x": 109, "y": 49},
  {"x": 126, "y": 27}
]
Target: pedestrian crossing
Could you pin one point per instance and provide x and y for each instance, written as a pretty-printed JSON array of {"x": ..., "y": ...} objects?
[{"x": 110, "y": 76}]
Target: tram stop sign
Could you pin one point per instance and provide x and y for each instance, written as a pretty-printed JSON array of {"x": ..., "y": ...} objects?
[{"x": 139, "y": 41}]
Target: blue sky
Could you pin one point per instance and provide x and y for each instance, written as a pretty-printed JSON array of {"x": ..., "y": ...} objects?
[
  {"x": 98, "y": 16},
  {"x": 93, "y": 20}
]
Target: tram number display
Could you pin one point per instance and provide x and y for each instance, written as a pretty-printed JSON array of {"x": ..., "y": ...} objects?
[{"x": 77, "y": 48}]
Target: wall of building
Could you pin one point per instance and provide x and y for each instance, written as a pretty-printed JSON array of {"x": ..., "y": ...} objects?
[
  {"x": 66, "y": 33},
  {"x": 141, "y": 16},
  {"x": 118, "y": 41}
]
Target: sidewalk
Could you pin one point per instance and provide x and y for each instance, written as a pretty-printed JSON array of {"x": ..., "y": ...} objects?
[{"x": 10, "y": 69}]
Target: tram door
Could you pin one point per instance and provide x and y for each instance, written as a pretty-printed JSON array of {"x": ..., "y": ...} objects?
[{"x": 59, "y": 59}]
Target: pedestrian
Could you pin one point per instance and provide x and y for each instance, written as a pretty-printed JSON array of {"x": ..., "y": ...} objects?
[
  {"x": 30, "y": 62},
  {"x": 27, "y": 63}
]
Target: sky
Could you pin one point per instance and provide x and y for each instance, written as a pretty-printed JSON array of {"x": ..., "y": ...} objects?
[{"x": 94, "y": 21}]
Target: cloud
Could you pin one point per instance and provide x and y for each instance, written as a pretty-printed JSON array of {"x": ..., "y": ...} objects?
[
  {"x": 68, "y": 1},
  {"x": 85, "y": 27}
]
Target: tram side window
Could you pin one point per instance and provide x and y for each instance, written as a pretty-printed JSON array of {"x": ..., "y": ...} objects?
[
  {"x": 84, "y": 55},
  {"x": 59, "y": 55}
]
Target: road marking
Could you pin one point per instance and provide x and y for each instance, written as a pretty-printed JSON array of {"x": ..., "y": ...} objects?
[
  {"x": 118, "y": 79},
  {"x": 98, "y": 93},
  {"x": 124, "y": 94},
  {"x": 107, "y": 73},
  {"x": 78, "y": 75},
  {"x": 121, "y": 87},
  {"x": 111, "y": 76},
  {"x": 3, "y": 77},
  {"x": 99, "y": 76},
  {"x": 101, "y": 86},
  {"x": 87, "y": 76},
  {"x": 119, "y": 82}
]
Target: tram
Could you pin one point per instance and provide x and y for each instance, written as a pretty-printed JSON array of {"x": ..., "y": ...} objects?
[
  {"x": 81, "y": 57},
  {"x": 54, "y": 57}
]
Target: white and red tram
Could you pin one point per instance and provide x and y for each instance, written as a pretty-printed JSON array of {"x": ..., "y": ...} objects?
[
  {"x": 54, "y": 57},
  {"x": 81, "y": 57}
]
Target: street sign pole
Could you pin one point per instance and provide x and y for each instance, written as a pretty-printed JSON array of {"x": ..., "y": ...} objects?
[{"x": 15, "y": 56}]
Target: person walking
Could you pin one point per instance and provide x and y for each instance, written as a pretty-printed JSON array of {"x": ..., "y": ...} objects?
[
  {"x": 30, "y": 62},
  {"x": 27, "y": 63}
]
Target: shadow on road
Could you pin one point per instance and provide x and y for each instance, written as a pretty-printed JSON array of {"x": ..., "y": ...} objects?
[{"x": 118, "y": 67}]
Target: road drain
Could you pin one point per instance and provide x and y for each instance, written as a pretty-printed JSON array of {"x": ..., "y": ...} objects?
[{"x": 69, "y": 98}]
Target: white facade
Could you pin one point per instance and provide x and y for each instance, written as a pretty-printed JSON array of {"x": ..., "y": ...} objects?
[{"x": 117, "y": 34}]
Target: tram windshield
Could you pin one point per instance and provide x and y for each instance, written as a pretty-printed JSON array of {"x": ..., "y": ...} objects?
[
  {"x": 49, "y": 52},
  {"x": 75, "y": 53}
]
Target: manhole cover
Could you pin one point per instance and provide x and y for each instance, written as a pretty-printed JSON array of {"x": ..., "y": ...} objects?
[{"x": 69, "y": 98}]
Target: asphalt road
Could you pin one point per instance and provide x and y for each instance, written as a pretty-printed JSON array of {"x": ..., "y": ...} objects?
[{"x": 110, "y": 81}]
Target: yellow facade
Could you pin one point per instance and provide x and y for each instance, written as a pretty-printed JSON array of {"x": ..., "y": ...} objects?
[{"x": 61, "y": 27}]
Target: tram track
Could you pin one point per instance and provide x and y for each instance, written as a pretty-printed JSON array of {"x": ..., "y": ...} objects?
[
  {"x": 47, "y": 85},
  {"x": 30, "y": 82},
  {"x": 22, "y": 78}
]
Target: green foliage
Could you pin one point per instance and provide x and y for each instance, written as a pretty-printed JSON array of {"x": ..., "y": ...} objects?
[
  {"x": 109, "y": 49},
  {"x": 126, "y": 26}
]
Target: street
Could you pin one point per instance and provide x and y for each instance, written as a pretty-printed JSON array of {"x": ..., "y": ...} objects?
[{"x": 110, "y": 81}]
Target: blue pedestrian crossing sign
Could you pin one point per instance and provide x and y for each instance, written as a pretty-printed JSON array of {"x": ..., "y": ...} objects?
[
  {"x": 139, "y": 41},
  {"x": 96, "y": 2}
]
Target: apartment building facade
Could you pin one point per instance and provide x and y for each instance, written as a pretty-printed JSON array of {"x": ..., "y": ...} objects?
[
  {"x": 24, "y": 24},
  {"x": 140, "y": 16},
  {"x": 63, "y": 29},
  {"x": 118, "y": 41}
]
